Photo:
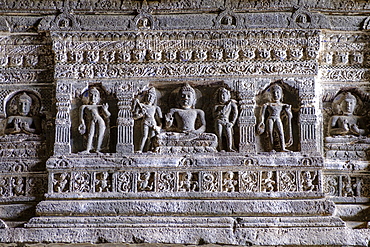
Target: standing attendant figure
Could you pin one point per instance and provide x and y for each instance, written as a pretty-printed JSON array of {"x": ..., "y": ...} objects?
[
  {"x": 150, "y": 114},
  {"x": 225, "y": 114},
  {"x": 277, "y": 113},
  {"x": 97, "y": 118}
]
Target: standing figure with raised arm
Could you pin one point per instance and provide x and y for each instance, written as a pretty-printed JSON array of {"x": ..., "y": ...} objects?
[
  {"x": 97, "y": 118},
  {"x": 150, "y": 114},
  {"x": 277, "y": 113},
  {"x": 225, "y": 114}
]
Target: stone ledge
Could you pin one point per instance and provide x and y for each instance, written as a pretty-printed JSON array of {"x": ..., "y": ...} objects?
[
  {"x": 186, "y": 207},
  {"x": 251, "y": 237},
  {"x": 187, "y": 195},
  {"x": 13, "y": 211},
  {"x": 226, "y": 160},
  {"x": 183, "y": 222}
]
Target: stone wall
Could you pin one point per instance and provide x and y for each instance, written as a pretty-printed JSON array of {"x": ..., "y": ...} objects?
[{"x": 185, "y": 122}]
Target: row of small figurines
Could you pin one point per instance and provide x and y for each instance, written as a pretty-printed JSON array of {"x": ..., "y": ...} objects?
[
  {"x": 20, "y": 60},
  {"x": 169, "y": 55},
  {"x": 243, "y": 181},
  {"x": 329, "y": 58},
  {"x": 345, "y": 58}
]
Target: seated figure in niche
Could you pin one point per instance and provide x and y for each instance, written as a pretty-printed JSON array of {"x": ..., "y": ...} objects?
[
  {"x": 97, "y": 118},
  {"x": 23, "y": 121},
  {"x": 185, "y": 126},
  {"x": 150, "y": 115},
  {"x": 144, "y": 23},
  {"x": 225, "y": 114},
  {"x": 277, "y": 113},
  {"x": 183, "y": 120},
  {"x": 346, "y": 123},
  {"x": 228, "y": 21}
]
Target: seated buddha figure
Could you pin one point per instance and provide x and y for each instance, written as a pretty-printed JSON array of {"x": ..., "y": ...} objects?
[
  {"x": 185, "y": 126},
  {"x": 346, "y": 123},
  {"x": 23, "y": 122}
]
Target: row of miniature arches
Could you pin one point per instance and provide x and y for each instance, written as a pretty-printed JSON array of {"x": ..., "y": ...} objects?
[{"x": 255, "y": 35}]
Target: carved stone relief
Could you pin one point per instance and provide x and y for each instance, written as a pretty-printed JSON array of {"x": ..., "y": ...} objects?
[
  {"x": 346, "y": 185},
  {"x": 151, "y": 119},
  {"x": 272, "y": 116},
  {"x": 185, "y": 126},
  {"x": 23, "y": 115},
  {"x": 176, "y": 125},
  {"x": 346, "y": 126},
  {"x": 184, "y": 48},
  {"x": 270, "y": 181},
  {"x": 94, "y": 121},
  {"x": 90, "y": 120},
  {"x": 226, "y": 114},
  {"x": 184, "y": 122}
]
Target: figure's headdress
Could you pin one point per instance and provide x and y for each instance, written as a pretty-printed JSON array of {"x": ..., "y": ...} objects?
[
  {"x": 219, "y": 92},
  {"x": 94, "y": 90},
  {"x": 25, "y": 97},
  {"x": 275, "y": 87},
  {"x": 152, "y": 91},
  {"x": 223, "y": 89},
  {"x": 349, "y": 96},
  {"x": 187, "y": 88}
]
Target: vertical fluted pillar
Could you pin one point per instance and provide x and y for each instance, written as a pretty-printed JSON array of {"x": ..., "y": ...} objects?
[
  {"x": 63, "y": 120},
  {"x": 125, "y": 123},
  {"x": 247, "y": 118}
]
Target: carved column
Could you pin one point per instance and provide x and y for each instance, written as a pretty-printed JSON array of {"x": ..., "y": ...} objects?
[
  {"x": 63, "y": 119},
  {"x": 247, "y": 118},
  {"x": 307, "y": 117},
  {"x": 125, "y": 122}
]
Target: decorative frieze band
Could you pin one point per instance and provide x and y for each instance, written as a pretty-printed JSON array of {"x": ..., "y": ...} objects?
[
  {"x": 344, "y": 75},
  {"x": 184, "y": 69},
  {"x": 11, "y": 76},
  {"x": 25, "y": 149},
  {"x": 268, "y": 37},
  {"x": 188, "y": 53},
  {"x": 22, "y": 185},
  {"x": 186, "y": 181},
  {"x": 114, "y": 6},
  {"x": 346, "y": 185}
]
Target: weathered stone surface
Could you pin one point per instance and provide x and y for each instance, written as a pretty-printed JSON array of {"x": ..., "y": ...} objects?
[
  {"x": 187, "y": 207},
  {"x": 185, "y": 122},
  {"x": 258, "y": 237}
]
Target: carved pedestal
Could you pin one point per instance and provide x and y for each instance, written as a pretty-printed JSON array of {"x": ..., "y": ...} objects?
[
  {"x": 184, "y": 143},
  {"x": 22, "y": 183},
  {"x": 183, "y": 194}
]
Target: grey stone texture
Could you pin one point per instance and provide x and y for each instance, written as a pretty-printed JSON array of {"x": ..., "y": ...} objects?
[{"x": 172, "y": 123}]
